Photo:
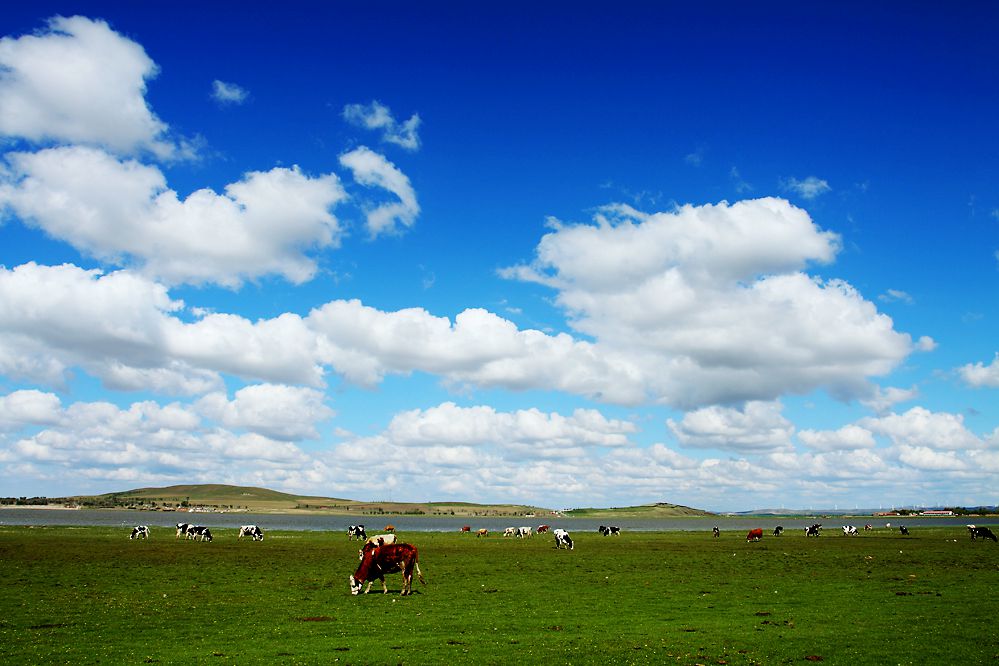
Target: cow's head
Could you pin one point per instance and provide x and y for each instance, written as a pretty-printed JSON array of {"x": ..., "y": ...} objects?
[{"x": 355, "y": 586}]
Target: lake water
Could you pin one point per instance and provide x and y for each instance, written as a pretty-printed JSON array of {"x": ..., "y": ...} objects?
[{"x": 374, "y": 524}]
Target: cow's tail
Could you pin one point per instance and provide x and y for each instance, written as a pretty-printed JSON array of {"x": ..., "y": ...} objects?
[{"x": 419, "y": 574}]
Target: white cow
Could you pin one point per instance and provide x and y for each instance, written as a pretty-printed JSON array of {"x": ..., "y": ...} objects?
[
  {"x": 523, "y": 532},
  {"x": 375, "y": 542}
]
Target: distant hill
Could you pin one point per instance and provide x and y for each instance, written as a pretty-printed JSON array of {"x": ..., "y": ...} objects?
[
  {"x": 221, "y": 497},
  {"x": 657, "y": 510}
]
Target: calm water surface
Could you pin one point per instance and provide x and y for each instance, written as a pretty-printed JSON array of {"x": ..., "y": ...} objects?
[{"x": 375, "y": 524}]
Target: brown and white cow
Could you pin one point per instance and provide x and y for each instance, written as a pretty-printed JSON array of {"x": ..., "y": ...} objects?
[
  {"x": 482, "y": 532},
  {"x": 543, "y": 528},
  {"x": 465, "y": 528},
  {"x": 755, "y": 535},
  {"x": 385, "y": 560}
]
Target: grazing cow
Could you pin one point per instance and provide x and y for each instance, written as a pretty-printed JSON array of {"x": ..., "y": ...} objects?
[
  {"x": 868, "y": 527},
  {"x": 778, "y": 530},
  {"x": 983, "y": 532},
  {"x": 182, "y": 530},
  {"x": 715, "y": 532},
  {"x": 510, "y": 531},
  {"x": 356, "y": 532},
  {"x": 562, "y": 539},
  {"x": 813, "y": 530},
  {"x": 543, "y": 528},
  {"x": 199, "y": 533},
  {"x": 610, "y": 531},
  {"x": 755, "y": 535},
  {"x": 390, "y": 528},
  {"x": 849, "y": 530},
  {"x": 903, "y": 529},
  {"x": 523, "y": 532},
  {"x": 139, "y": 531},
  {"x": 385, "y": 560},
  {"x": 251, "y": 531},
  {"x": 466, "y": 528},
  {"x": 482, "y": 532},
  {"x": 375, "y": 542}
]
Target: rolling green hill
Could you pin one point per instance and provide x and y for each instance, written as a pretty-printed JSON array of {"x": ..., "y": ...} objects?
[
  {"x": 658, "y": 510},
  {"x": 246, "y": 498},
  {"x": 221, "y": 497}
]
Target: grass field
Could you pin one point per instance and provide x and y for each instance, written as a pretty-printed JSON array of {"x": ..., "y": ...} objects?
[{"x": 89, "y": 595}]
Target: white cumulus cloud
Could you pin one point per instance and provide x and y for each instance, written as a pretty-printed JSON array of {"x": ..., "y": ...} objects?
[
  {"x": 228, "y": 93},
  {"x": 122, "y": 212},
  {"x": 809, "y": 188},
  {"x": 79, "y": 81},
  {"x": 373, "y": 170},
  {"x": 713, "y": 304},
  {"x": 849, "y": 437},
  {"x": 980, "y": 375},
  {"x": 919, "y": 428},
  {"x": 758, "y": 426},
  {"x": 377, "y": 116},
  {"x": 276, "y": 411}
]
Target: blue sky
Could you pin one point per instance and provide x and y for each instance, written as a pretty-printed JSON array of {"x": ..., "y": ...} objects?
[{"x": 570, "y": 255}]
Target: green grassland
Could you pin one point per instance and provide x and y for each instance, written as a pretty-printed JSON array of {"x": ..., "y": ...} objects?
[{"x": 90, "y": 595}]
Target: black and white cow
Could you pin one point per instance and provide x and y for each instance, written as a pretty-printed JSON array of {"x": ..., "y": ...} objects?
[
  {"x": 562, "y": 539},
  {"x": 849, "y": 530},
  {"x": 982, "y": 532},
  {"x": 356, "y": 532},
  {"x": 903, "y": 529},
  {"x": 199, "y": 533},
  {"x": 610, "y": 531},
  {"x": 813, "y": 530},
  {"x": 778, "y": 530},
  {"x": 715, "y": 532},
  {"x": 524, "y": 532},
  {"x": 182, "y": 530},
  {"x": 251, "y": 531},
  {"x": 139, "y": 531}
]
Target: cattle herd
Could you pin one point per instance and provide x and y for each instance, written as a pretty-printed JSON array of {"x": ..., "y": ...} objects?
[
  {"x": 198, "y": 532},
  {"x": 382, "y": 554},
  {"x": 814, "y": 530}
]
